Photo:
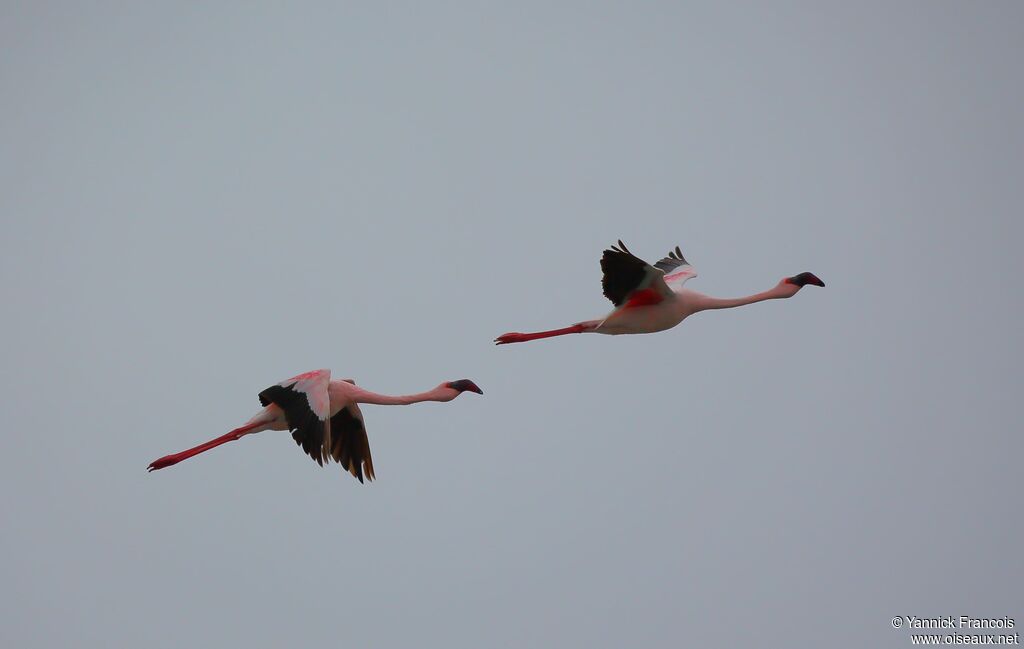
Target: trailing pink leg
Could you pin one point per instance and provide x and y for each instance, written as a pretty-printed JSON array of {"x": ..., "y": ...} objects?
[
  {"x": 505, "y": 339},
  {"x": 174, "y": 458}
]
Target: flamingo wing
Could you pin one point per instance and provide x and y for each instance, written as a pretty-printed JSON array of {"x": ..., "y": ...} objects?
[
  {"x": 350, "y": 447},
  {"x": 677, "y": 270},
  {"x": 307, "y": 407},
  {"x": 629, "y": 280}
]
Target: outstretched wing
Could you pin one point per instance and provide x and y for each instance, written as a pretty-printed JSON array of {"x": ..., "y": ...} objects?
[
  {"x": 677, "y": 270},
  {"x": 350, "y": 447},
  {"x": 307, "y": 408},
  {"x": 629, "y": 280}
]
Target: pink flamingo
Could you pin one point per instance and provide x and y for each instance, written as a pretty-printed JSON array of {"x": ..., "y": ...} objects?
[
  {"x": 652, "y": 298},
  {"x": 324, "y": 418}
]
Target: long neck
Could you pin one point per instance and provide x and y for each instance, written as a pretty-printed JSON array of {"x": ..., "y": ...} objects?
[
  {"x": 440, "y": 393},
  {"x": 708, "y": 302}
]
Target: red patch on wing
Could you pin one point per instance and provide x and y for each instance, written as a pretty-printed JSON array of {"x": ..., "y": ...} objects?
[{"x": 643, "y": 297}]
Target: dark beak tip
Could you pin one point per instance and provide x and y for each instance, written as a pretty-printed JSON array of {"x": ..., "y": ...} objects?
[
  {"x": 805, "y": 278},
  {"x": 465, "y": 385}
]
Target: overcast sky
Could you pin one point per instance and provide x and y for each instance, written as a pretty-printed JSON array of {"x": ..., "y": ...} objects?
[{"x": 198, "y": 202}]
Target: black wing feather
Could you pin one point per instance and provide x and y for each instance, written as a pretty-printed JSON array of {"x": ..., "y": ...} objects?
[
  {"x": 673, "y": 261},
  {"x": 350, "y": 446},
  {"x": 623, "y": 273},
  {"x": 307, "y": 429}
]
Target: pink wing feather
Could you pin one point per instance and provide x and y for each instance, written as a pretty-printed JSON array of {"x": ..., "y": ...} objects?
[{"x": 314, "y": 385}]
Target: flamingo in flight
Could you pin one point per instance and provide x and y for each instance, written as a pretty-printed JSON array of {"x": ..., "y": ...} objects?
[
  {"x": 324, "y": 418},
  {"x": 652, "y": 298}
]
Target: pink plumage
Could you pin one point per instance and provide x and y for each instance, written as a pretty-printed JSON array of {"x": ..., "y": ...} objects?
[
  {"x": 324, "y": 418},
  {"x": 650, "y": 298}
]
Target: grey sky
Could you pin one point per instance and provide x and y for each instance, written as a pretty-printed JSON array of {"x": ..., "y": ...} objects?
[{"x": 199, "y": 202}]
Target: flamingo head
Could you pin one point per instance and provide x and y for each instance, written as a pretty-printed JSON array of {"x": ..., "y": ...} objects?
[
  {"x": 464, "y": 385},
  {"x": 803, "y": 279}
]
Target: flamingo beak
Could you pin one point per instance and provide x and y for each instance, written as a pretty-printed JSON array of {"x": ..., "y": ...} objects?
[
  {"x": 804, "y": 279},
  {"x": 465, "y": 385}
]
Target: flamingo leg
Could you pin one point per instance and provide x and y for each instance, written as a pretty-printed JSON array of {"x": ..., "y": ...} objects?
[
  {"x": 514, "y": 337},
  {"x": 174, "y": 458}
]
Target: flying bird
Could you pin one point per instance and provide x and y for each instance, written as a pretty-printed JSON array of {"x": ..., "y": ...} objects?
[
  {"x": 652, "y": 298},
  {"x": 324, "y": 418}
]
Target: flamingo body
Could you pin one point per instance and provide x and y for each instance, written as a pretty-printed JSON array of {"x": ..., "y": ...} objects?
[
  {"x": 324, "y": 418},
  {"x": 651, "y": 298}
]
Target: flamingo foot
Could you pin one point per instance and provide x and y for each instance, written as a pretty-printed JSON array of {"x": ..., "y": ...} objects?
[
  {"x": 513, "y": 337},
  {"x": 165, "y": 461}
]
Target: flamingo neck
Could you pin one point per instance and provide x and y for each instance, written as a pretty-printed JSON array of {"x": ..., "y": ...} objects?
[
  {"x": 440, "y": 393},
  {"x": 708, "y": 302}
]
